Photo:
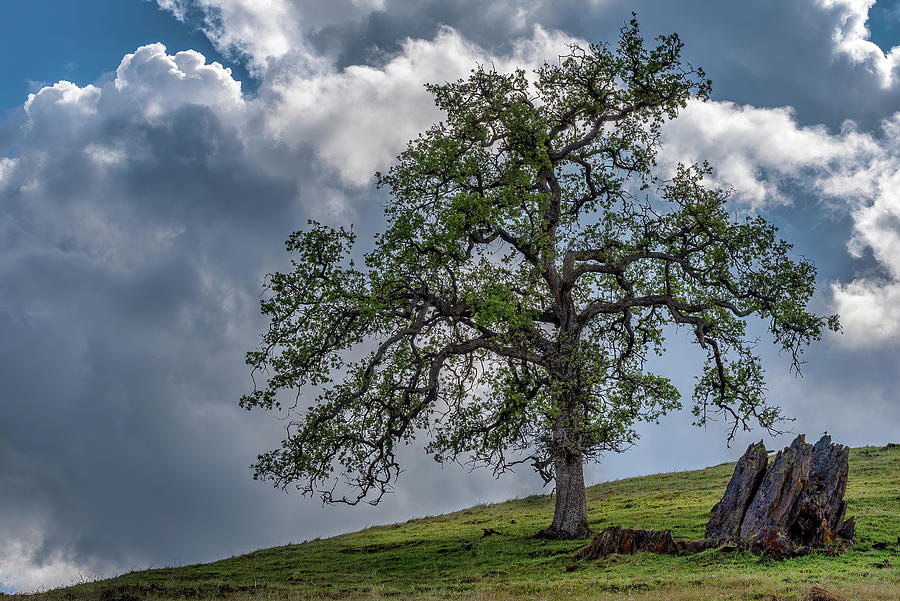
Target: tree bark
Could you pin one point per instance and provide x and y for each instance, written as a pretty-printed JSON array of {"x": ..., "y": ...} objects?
[{"x": 570, "y": 513}]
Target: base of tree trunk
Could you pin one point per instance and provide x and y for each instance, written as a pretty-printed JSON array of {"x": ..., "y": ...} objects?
[{"x": 552, "y": 533}]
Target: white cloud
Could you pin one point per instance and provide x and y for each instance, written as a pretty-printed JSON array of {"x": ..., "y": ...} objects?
[
  {"x": 869, "y": 310},
  {"x": 67, "y": 124},
  {"x": 870, "y": 304},
  {"x": 360, "y": 118},
  {"x": 755, "y": 149},
  {"x": 22, "y": 570},
  {"x": 148, "y": 83},
  {"x": 62, "y": 110},
  {"x": 158, "y": 82},
  {"x": 759, "y": 150},
  {"x": 851, "y": 37},
  {"x": 273, "y": 32},
  {"x": 261, "y": 31},
  {"x": 105, "y": 155},
  {"x": 6, "y": 166}
]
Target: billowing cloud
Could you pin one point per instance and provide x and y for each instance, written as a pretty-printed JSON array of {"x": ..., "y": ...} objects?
[
  {"x": 137, "y": 221},
  {"x": 752, "y": 148},
  {"x": 851, "y": 37},
  {"x": 760, "y": 152},
  {"x": 358, "y": 119},
  {"x": 869, "y": 303},
  {"x": 138, "y": 217},
  {"x": 259, "y": 31},
  {"x": 814, "y": 56},
  {"x": 127, "y": 218}
]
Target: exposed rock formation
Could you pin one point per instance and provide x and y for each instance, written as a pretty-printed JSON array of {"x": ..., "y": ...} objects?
[
  {"x": 616, "y": 539},
  {"x": 786, "y": 507},
  {"x": 728, "y": 514}
]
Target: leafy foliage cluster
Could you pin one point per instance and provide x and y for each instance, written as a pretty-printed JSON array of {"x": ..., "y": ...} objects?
[{"x": 530, "y": 265}]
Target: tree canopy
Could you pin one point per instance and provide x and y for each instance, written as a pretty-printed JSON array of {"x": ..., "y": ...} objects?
[{"x": 532, "y": 261}]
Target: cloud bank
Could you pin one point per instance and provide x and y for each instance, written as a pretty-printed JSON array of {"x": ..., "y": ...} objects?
[
  {"x": 139, "y": 216},
  {"x": 138, "y": 220}
]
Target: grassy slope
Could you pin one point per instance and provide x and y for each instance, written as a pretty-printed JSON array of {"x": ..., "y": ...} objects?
[{"x": 448, "y": 556}]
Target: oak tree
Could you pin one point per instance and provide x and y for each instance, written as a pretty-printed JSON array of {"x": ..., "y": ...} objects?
[{"x": 532, "y": 261}]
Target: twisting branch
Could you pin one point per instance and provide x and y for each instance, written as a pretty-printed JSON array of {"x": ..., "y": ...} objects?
[{"x": 510, "y": 305}]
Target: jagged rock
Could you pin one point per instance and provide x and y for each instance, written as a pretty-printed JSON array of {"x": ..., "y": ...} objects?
[
  {"x": 820, "y": 516},
  {"x": 616, "y": 539},
  {"x": 788, "y": 507},
  {"x": 781, "y": 486},
  {"x": 728, "y": 514},
  {"x": 819, "y": 594}
]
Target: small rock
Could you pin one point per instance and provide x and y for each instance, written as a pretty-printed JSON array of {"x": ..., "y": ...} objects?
[{"x": 819, "y": 594}]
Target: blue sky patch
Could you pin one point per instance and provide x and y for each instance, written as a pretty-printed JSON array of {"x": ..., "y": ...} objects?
[
  {"x": 44, "y": 41},
  {"x": 884, "y": 24}
]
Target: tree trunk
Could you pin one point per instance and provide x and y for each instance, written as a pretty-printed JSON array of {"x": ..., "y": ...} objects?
[{"x": 570, "y": 514}]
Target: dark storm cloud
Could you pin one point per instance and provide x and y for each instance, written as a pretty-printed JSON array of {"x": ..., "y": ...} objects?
[
  {"x": 120, "y": 355},
  {"x": 135, "y": 240},
  {"x": 127, "y": 298}
]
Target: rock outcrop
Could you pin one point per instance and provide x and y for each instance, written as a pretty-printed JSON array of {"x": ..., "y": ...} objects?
[
  {"x": 616, "y": 539},
  {"x": 728, "y": 514},
  {"x": 788, "y": 506}
]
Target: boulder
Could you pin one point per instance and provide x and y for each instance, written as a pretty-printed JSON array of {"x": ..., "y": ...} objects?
[
  {"x": 616, "y": 539},
  {"x": 788, "y": 506}
]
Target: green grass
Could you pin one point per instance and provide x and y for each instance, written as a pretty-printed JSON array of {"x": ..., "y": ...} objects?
[{"x": 447, "y": 557}]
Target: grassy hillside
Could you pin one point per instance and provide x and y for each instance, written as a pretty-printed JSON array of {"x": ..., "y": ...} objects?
[{"x": 449, "y": 556}]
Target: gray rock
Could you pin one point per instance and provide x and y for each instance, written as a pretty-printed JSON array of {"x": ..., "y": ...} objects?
[
  {"x": 728, "y": 514},
  {"x": 821, "y": 507},
  {"x": 774, "y": 505},
  {"x": 788, "y": 507}
]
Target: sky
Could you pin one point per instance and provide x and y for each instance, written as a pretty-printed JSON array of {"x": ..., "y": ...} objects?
[{"x": 154, "y": 156}]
